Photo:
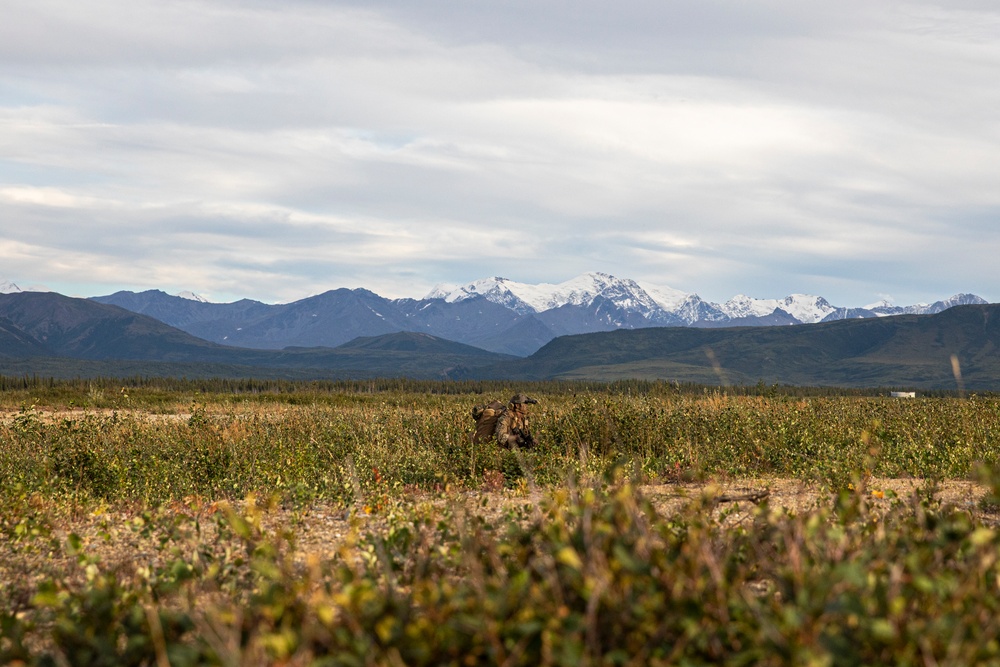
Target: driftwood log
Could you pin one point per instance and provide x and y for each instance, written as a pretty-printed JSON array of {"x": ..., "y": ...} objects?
[{"x": 753, "y": 497}]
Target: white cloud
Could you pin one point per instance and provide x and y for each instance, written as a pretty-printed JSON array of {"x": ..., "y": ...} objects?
[
  {"x": 271, "y": 151},
  {"x": 49, "y": 197}
]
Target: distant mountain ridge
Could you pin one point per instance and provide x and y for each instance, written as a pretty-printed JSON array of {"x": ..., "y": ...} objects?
[
  {"x": 59, "y": 336},
  {"x": 917, "y": 351},
  {"x": 495, "y": 314},
  {"x": 42, "y": 328}
]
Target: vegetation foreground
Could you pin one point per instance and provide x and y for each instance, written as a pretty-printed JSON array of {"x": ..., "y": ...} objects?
[{"x": 181, "y": 523}]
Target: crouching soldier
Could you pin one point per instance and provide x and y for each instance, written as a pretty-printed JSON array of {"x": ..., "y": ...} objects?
[
  {"x": 507, "y": 424},
  {"x": 512, "y": 425}
]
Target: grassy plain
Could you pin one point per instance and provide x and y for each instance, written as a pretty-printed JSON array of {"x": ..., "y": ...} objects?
[{"x": 239, "y": 522}]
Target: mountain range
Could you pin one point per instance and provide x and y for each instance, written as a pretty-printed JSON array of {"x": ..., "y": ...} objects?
[
  {"x": 495, "y": 314},
  {"x": 955, "y": 349},
  {"x": 594, "y": 326},
  {"x": 46, "y": 333}
]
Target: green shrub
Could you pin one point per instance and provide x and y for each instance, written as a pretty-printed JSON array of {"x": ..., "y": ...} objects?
[{"x": 593, "y": 574}]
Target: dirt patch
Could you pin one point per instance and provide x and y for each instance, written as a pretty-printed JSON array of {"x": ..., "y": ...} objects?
[
  {"x": 799, "y": 496},
  {"x": 54, "y": 416}
]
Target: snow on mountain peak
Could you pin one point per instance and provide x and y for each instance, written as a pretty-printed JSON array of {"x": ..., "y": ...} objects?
[
  {"x": 668, "y": 298},
  {"x": 10, "y": 287},
  {"x": 742, "y": 305},
  {"x": 579, "y": 291},
  {"x": 442, "y": 291},
  {"x": 496, "y": 289},
  {"x": 806, "y": 308},
  {"x": 192, "y": 296},
  {"x": 654, "y": 303},
  {"x": 963, "y": 300}
]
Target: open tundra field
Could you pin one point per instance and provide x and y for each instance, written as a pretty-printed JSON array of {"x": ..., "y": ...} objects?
[{"x": 171, "y": 522}]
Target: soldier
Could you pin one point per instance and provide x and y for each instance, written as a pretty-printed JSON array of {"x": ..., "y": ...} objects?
[
  {"x": 512, "y": 424},
  {"x": 507, "y": 424}
]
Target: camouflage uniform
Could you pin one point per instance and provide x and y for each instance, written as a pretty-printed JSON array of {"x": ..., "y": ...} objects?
[
  {"x": 507, "y": 424},
  {"x": 512, "y": 424}
]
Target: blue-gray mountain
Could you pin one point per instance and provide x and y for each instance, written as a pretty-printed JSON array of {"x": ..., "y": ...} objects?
[
  {"x": 50, "y": 335},
  {"x": 494, "y": 314}
]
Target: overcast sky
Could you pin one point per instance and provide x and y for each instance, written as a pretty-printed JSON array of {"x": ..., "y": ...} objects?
[{"x": 275, "y": 150}]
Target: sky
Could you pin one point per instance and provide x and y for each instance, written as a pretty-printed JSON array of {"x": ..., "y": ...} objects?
[{"x": 276, "y": 150}]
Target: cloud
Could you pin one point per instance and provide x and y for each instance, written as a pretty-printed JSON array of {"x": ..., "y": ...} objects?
[{"x": 252, "y": 149}]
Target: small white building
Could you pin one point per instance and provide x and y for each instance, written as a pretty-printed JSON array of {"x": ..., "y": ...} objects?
[{"x": 903, "y": 394}]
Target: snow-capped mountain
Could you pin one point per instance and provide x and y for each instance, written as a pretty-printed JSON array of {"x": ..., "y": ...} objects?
[
  {"x": 881, "y": 304},
  {"x": 805, "y": 308},
  {"x": 525, "y": 298},
  {"x": 191, "y": 296},
  {"x": 10, "y": 287},
  {"x": 884, "y": 308},
  {"x": 652, "y": 303},
  {"x": 660, "y": 305}
]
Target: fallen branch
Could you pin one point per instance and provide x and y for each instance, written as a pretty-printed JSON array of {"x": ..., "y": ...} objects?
[{"x": 754, "y": 497}]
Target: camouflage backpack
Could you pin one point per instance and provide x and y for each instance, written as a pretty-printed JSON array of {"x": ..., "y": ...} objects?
[{"x": 486, "y": 417}]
